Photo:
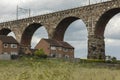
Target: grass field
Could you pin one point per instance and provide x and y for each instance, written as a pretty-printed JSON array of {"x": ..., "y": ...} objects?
[{"x": 55, "y": 70}]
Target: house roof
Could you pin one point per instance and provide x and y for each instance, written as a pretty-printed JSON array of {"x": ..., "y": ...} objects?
[
  {"x": 8, "y": 39},
  {"x": 58, "y": 43}
]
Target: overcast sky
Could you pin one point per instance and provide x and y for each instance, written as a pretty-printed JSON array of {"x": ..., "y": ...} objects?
[{"x": 77, "y": 29}]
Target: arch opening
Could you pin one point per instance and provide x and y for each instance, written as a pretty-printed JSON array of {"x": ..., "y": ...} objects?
[
  {"x": 7, "y": 32},
  {"x": 27, "y": 35},
  {"x": 12, "y": 34},
  {"x": 112, "y": 38},
  {"x": 104, "y": 19},
  {"x": 107, "y": 27},
  {"x": 73, "y": 30},
  {"x": 38, "y": 35},
  {"x": 62, "y": 26}
]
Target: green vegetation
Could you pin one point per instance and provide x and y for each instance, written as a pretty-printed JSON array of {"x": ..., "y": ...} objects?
[
  {"x": 56, "y": 69},
  {"x": 40, "y": 54},
  {"x": 111, "y": 59}
]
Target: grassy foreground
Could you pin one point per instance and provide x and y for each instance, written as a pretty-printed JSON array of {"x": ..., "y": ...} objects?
[{"x": 55, "y": 70}]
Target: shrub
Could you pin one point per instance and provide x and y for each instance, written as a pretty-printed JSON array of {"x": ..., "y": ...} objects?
[{"x": 40, "y": 54}]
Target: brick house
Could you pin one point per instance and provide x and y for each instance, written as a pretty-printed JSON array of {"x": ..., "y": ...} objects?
[
  {"x": 54, "y": 48},
  {"x": 8, "y": 46}
]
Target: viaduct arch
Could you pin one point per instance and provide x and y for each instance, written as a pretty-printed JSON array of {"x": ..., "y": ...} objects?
[
  {"x": 62, "y": 26},
  {"x": 28, "y": 33},
  {"x": 100, "y": 30}
]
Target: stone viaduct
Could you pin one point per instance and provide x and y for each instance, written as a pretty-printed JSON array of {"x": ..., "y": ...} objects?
[{"x": 95, "y": 16}]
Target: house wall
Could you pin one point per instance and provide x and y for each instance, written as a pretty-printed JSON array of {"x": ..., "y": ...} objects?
[
  {"x": 0, "y": 47},
  {"x": 9, "y": 49},
  {"x": 61, "y": 53},
  {"x": 43, "y": 45}
]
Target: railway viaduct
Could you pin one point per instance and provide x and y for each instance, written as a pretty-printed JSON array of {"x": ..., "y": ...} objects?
[{"x": 95, "y": 17}]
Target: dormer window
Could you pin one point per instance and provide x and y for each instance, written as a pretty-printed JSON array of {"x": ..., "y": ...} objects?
[{"x": 5, "y": 45}]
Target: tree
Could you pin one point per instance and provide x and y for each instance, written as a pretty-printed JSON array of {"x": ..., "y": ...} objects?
[
  {"x": 114, "y": 59},
  {"x": 40, "y": 53},
  {"x": 111, "y": 59},
  {"x": 108, "y": 57}
]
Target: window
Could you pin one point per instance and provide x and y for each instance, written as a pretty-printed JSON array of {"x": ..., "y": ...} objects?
[
  {"x": 13, "y": 45},
  {"x": 65, "y": 50},
  {"x": 5, "y": 45},
  {"x": 53, "y": 48}
]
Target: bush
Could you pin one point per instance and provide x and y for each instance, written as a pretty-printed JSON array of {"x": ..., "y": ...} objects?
[{"x": 40, "y": 54}]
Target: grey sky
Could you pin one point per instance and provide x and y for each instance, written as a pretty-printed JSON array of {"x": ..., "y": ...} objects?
[{"x": 79, "y": 33}]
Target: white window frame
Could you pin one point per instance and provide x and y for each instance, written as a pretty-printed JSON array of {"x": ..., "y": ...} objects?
[
  {"x": 13, "y": 45},
  {"x": 53, "y": 48},
  {"x": 5, "y": 45}
]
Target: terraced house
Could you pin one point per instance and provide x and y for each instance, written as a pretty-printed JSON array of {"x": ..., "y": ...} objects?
[
  {"x": 8, "y": 47},
  {"x": 54, "y": 48}
]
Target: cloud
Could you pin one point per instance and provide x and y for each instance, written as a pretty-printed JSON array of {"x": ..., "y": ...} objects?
[
  {"x": 112, "y": 30},
  {"x": 12, "y": 34},
  {"x": 112, "y": 42},
  {"x": 77, "y": 30},
  {"x": 80, "y": 48},
  {"x": 113, "y": 49},
  {"x": 112, "y": 37}
]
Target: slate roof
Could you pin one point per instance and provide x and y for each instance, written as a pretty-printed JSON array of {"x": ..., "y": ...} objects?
[
  {"x": 59, "y": 43},
  {"x": 8, "y": 39}
]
